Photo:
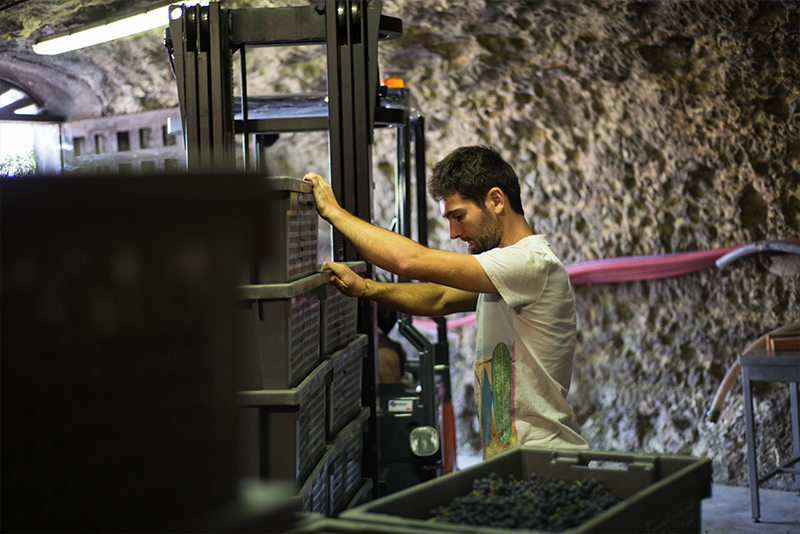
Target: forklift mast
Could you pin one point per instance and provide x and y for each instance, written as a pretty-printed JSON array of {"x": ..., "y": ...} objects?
[{"x": 201, "y": 43}]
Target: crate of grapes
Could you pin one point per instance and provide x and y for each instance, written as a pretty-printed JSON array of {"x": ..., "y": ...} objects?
[{"x": 544, "y": 490}]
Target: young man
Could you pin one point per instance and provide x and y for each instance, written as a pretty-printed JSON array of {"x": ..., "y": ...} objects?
[{"x": 511, "y": 278}]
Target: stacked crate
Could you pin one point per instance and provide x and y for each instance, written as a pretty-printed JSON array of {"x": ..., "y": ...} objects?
[
  {"x": 293, "y": 221},
  {"x": 300, "y": 393},
  {"x": 121, "y": 347},
  {"x": 346, "y": 462},
  {"x": 347, "y": 420},
  {"x": 339, "y": 316}
]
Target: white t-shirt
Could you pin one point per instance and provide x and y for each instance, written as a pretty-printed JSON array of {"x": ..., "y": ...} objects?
[{"x": 525, "y": 346}]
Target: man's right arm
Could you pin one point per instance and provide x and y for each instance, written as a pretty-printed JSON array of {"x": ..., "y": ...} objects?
[
  {"x": 419, "y": 299},
  {"x": 399, "y": 254}
]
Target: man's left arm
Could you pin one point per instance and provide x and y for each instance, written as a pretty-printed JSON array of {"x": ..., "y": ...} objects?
[{"x": 398, "y": 254}]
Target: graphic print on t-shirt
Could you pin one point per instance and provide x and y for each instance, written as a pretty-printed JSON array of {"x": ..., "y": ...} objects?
[{"x": 496, "y": 413}]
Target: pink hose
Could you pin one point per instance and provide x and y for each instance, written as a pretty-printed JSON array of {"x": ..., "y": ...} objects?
[{"x": 625, "y": 269}]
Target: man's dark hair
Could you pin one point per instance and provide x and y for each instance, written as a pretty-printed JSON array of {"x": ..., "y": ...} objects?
[{"x": 472, "y": 171}]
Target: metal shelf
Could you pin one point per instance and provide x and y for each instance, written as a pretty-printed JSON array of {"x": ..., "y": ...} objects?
[{"x": 301, "y": 113}]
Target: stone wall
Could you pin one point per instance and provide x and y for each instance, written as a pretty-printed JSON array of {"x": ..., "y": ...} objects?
[{"x": 637, "y": 128}]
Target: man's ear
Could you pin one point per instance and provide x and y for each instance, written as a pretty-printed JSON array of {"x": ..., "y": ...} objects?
[{"x": 496, "y": 199}]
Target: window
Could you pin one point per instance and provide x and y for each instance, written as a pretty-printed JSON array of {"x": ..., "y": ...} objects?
[
  {"x": 168, "y": 140},
  {"x": 78, "y": 146},
  {"x": 145, "y": 138},
  {"x": 123, "y": 142},
  {"x": 16, "y": 138},
  {"x": 99, "y": 144}
]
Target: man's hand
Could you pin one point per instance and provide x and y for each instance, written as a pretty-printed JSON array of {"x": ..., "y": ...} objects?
[
  {"x": 345, "y": 280},
  {"x": 323, "y": 196}
]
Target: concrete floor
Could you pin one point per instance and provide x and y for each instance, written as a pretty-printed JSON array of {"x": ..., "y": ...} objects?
[{"x": 728, "y": 511}]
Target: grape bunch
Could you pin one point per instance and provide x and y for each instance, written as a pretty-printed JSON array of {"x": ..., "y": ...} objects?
[{"x": 540, "y": 503}]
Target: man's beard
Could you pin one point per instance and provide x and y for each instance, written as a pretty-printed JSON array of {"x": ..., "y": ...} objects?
[{"x": 489, "y": 235}]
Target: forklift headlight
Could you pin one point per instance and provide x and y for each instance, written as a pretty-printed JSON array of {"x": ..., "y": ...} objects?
[{"x": 424, "y": 441}]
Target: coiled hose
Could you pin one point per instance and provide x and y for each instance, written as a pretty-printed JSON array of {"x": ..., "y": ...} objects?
[{"x": 757, "y": 246}]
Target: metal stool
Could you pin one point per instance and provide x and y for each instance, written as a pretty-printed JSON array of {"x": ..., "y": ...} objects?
[{"x": 763, "y": 366}]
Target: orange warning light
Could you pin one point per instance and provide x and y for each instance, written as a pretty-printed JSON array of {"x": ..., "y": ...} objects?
[{"x": 393, "y": 82}]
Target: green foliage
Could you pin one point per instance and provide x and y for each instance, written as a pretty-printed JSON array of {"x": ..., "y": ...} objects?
[{"x": 18, "y": 165}]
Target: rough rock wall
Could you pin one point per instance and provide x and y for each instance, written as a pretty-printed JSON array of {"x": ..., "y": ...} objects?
[{"x": 637, "y": 128}]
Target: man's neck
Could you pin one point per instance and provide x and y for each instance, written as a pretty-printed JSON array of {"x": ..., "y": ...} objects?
[{"x": 516, "y": 231}]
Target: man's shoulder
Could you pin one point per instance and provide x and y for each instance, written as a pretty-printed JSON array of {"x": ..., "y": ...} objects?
[
  {"x": 534, "y": 246},
  {"x": 534, "y": 241}
]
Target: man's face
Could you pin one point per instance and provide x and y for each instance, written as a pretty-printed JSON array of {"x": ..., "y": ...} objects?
[{"x": 468, "y": 222}]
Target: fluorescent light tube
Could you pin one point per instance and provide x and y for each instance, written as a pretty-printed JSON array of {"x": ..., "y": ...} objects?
[{"x": 149, "y": 20}]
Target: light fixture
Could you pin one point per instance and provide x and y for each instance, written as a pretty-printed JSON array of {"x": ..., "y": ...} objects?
[
  {"x": 142, "y": 22},
  {"x": 424, "y": 441}
]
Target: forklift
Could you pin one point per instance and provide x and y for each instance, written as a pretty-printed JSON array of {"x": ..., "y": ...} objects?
[{"x": 404, "y": 443}]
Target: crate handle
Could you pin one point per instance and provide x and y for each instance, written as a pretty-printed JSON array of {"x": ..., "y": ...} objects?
[
  {"x": 626, "y": 461},
  {"x": 563, "y": 466}
]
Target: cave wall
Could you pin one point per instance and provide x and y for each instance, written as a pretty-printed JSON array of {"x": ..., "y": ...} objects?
[{"x": 637, "y": 128}]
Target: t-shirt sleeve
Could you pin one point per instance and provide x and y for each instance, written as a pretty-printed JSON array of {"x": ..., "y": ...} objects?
[{"x": 519, "y": 274}]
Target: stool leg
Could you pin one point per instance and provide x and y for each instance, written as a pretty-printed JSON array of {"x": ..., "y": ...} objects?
[
  {"x": 795, "y": 428},
  {"x": 752, "y": 471}
]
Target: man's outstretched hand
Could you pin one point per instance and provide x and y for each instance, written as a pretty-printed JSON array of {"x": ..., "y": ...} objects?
[
  {"x": 345, "y": 280},
  {"x": 323, "y": 196}
]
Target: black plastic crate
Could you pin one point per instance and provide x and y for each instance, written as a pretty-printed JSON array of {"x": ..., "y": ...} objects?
[
  {"x": 293, "y": 224},
  {"x": 284, "y": 430},
  {"x": 347, "y": 461},
  {"x": 362, "y": 495},
  {"x": 284, "y": 344},
  {"x": 314, "y": 494},
  {"x": 339, "y": 315},
  {"x": 660, "y": 493},
  {"x": 344, "y": 391},
  {"x": 121, "y": 347},
  {"x": 314, "y": 520}
]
